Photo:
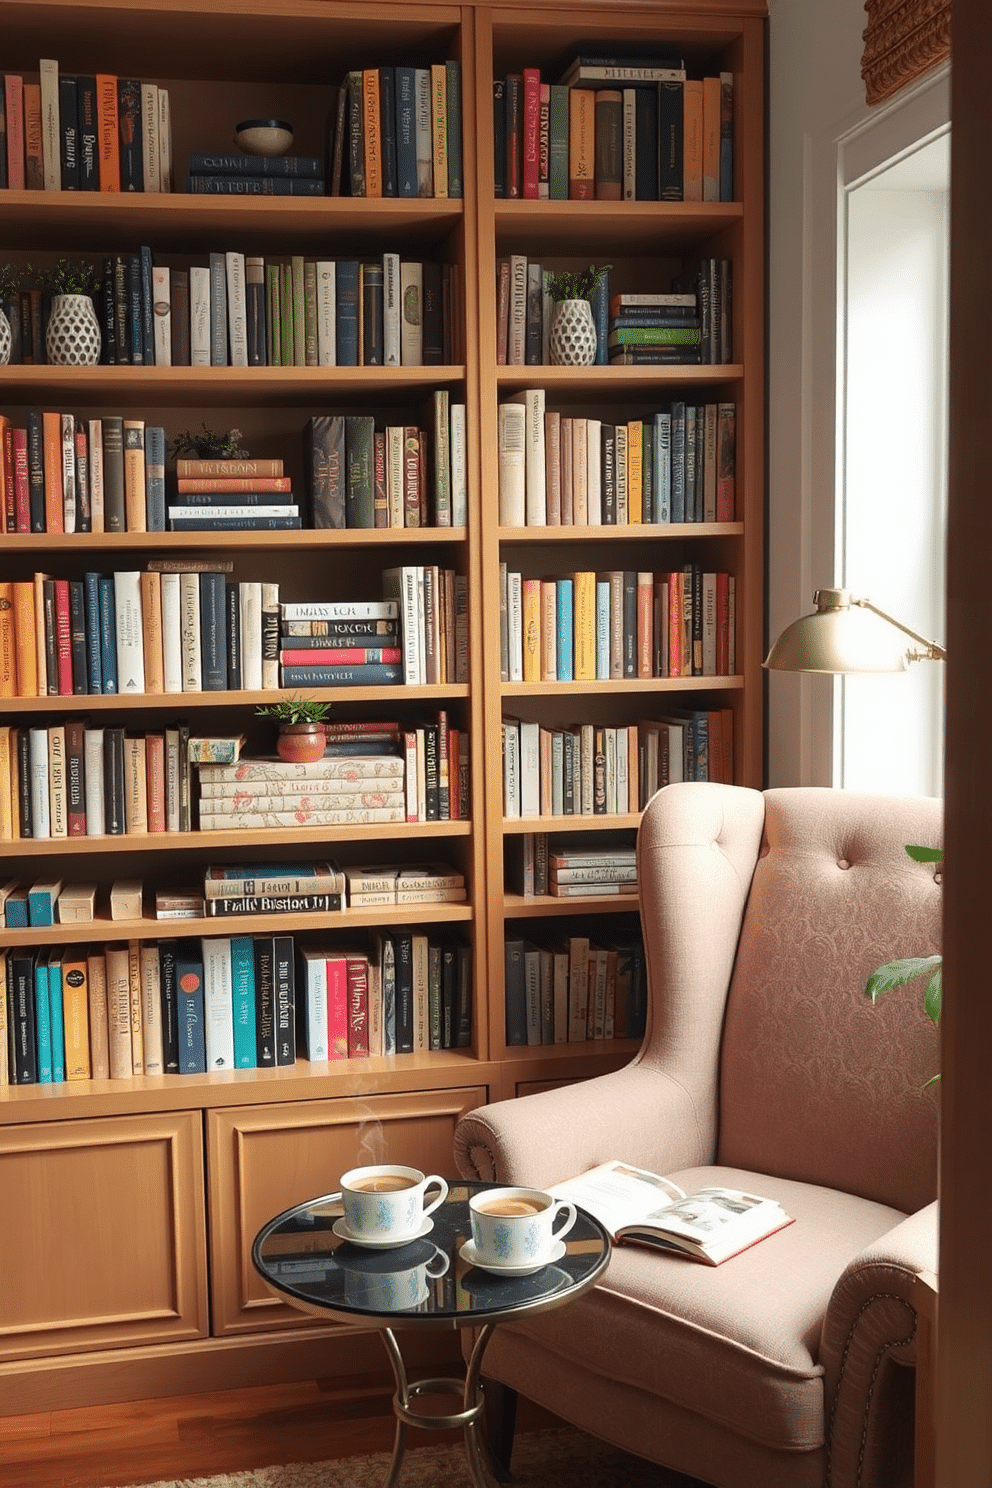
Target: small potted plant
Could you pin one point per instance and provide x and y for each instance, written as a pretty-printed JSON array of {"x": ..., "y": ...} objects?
[
  {"x": 10, "y": 286},
  {"x": 72, "y": 335},
  {"x": 301, "y": 728},
  {"x": 208, "y": 444},
  {"x": 573, "y": 330}
]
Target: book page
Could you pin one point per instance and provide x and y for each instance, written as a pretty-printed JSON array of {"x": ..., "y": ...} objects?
[
  {"x": 618, "y": 1194},
  {"x": 702, "y": 1215}
]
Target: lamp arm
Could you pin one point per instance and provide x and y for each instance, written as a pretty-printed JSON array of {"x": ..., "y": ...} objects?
[{"x": 931, "y": 652}]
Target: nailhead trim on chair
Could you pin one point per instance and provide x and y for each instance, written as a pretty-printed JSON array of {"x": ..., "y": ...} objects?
[{"x": 897, "y": 1343}]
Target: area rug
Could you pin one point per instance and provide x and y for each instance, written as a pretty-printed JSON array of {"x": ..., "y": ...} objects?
[{"x": 541, "y": 1459}]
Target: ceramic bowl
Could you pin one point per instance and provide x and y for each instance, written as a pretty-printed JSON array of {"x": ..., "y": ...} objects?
[{"x": 264, "y": 136}]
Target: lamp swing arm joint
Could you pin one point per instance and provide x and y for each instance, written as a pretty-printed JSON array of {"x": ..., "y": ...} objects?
[{"x": 932, "y": 651}]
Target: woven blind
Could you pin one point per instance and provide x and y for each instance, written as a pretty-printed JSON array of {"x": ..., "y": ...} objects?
[{"x": 903, "y": 39}]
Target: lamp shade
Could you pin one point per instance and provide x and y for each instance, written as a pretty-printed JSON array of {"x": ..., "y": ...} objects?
[{"x": 838, "y": 638}]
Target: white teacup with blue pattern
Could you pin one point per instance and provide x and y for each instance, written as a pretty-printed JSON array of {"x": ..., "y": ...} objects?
[
  {"x": 517, "y": 1226},
  {"x": 386, "y": 1202}
]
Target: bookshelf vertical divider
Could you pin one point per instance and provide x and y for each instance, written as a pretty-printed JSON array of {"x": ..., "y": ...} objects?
[{"x": 192, "y": 1165}]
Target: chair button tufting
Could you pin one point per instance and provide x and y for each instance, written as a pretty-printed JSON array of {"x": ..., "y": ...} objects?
[{"x": 843, "y": 863}]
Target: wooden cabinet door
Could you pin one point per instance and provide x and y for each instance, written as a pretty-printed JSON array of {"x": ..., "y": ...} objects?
[
  {"x": 263, "y": 1159},
  {"x": 102, "y": 1240}
]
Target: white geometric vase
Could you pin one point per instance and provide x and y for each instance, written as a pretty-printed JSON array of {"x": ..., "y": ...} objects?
[
  {"x": 73, "y": 335},
  {"x": 4, "y": 338},
  {"x": 573, "y": 334}
]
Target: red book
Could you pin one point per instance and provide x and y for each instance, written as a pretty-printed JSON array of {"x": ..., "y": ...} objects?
[
  {"x": 22, "y": 488},
  {"x": 155, "y": 781},
  {"x": 531, "y": 132},
  {"x": 337, "y": 1006},
  {"x": 411, "y": 476},
  {"x": 358, "y": 1005},
  {"x": 9, "y": 518},
  {"x": 674, "y": 624},
  {"x": 723, "y": 625},
  {"x": 14, "y": 106},
  {"x": 63, "y": 637},
  {"x": 341, "y": 655},
  {"x": 380, "y": 498}
]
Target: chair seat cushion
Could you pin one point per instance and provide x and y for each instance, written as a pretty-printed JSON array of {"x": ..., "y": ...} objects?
[{"x": 739, "y": 1342}]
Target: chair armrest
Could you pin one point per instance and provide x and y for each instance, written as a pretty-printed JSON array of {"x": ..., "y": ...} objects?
[
  {"x": 637, "y": 1113},
  {"x": 870, "y": 1326}
]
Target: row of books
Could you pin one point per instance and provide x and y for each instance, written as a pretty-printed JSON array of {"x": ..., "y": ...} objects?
[
  {"x": 433, "y": 611},
  {"x": 400, "y": 475},
  {"x": 614, "y": 130},
  {"x": 574, "y": 990},
  {"x": 556, "y": 469},
  {"x": 192, "y": 1005},
  {"x": 621, "y": 623},
  {"x": 398, "y": 132},
  {"x": 61, "y": 473},
  {"x": 134, "y": 632},
  {"x": 385, "y": 773},
  {"x": 598, "y": 770},
  {"x": 539, "y": 864},
  {"x": 84, "y": 133}
]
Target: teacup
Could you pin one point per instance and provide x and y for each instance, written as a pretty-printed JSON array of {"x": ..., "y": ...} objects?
[
  {"x": 380, "y": 1288},
  {"x": 517, "y": 1226},
  {"x": 386, "y": 1202}
]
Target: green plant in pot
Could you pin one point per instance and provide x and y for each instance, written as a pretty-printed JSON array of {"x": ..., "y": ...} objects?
[
  {"x": 573, "y": 331},
  {"x": 301, "y": 727},
  {"x": 907, "y": 969},
  {"x": 208, "y": 444},
  {"x": 72, "y": 334},
  {"x": 11, "y": 276}
]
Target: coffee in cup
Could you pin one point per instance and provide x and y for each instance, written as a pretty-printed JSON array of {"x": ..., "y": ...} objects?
[
  {"x": 385, "y": 1204},
  {"x": 517, "y": 1226}
]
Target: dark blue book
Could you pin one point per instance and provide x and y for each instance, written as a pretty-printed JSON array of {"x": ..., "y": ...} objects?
[
  {"x": 499, "y": 137},
  {"x": 387, "y": 131},
  {"x": 69, "y": 131},
  {"x": 129, "y": 134},
  {"x": 21, "y": 1018},
  {"x": 406, "y": 132},
  {"x": 647, "y": 474},
  {"x": 88, "y": 152},
  {"x": 213, "y": 632},
  {"x": 254, "y": 186},
  {"x": 77, "y": 637},
  {"x": 284, "y": 999},
  {"x": 135, "y": 310},
  {"x": 453, "y": 99},
  {"x": 147, "y": 308},
  {"x": 169, "y": 994},
  {"x": 403, "y": 956},
  {"x": 155, "y": 450},
  {"x": 369, "y": 674},
  {"x": 600, "y": 302},
  {"x": 646, "y": 144},
  {"x": 189, "y": 1007},
  {"x": 346, "y": 329},
  {"x": 307, "y": 167},
  {"x": 670, "y": 141},
  {"x": 108, "y": 633}
]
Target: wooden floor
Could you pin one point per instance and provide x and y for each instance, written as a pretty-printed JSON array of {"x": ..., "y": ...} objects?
[{"x": 200, "y": 1435}]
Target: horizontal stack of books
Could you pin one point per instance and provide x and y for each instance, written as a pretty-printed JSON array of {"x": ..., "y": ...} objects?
[
  {"x": 216, "y": 495},
  {"x": 404, "y": 883},
  {"x": 273, "y": 888},
  {"x": 255, "y": 175},
  {"x": 654, "y": 328},
  {"x": 578, "y": 872},
  {"x": 340, "y": 644},
  {"x": 271, "y": 793}
]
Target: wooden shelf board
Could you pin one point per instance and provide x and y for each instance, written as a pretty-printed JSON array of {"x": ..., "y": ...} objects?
[
  {"x": 204, "y": 387},
  {"x": 516, "y": 907},
  {"x": 169, "y": 702},
  {"x": 542, "y": 226},
  {"x": 174, "y": 842},
  {"x": 625, "y": 532},
  {"x": 628, "y": 684},
  {"x": 616, "y": 382},
  {"x": 516, "y": 825},
  {"x": 157, "y": 542}
]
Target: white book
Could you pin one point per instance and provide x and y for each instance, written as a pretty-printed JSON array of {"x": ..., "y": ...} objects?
[
  {"x": 313, "y": 1000},
  {"x": 151, "y": 1007},
  {"x": 594, "y": 472},
  {"x": 530, "y": 768},
  {"x": 610, "y": 741},
  {"x": 68, "y": 425},
  {"x": 172, "y": 780},
  {"x": 51, "y": 133},
  {"x": 459, "y": 466},
  {"x": 172, "y": 628},
  {"x": 424, "y": 131},
  {"x": 95, "y": 429},
  {"x": 511, "y": 769},
  {"x": 164, "y": 140},
  {"x": 511, "y": 459},
  {"x": 405, "y": 587},
  {"x": 515, "y": 626},
  {"x": 237, "y": 309},
  {"x": 57, "y": 797},
  {"x": 225, "y": 513},
  {"x": 391, "y": 310},
  {"x": 41, "y": 809},
  {"x": 394, "y": 474},
  {"x": 270, "y": 645},
  {"x": 516, "y": 340},
  {"x": 345, "y": 609},
  {"x": 218, "y": 1002},
  {"x": 162, "y": 311},
  {"x": 251, "y": 635},
  {"x": 151, "y": 151},
  {"x": 219, "y": 336},
  {"x": 96, "y": 825},
  {"x": 130, "y": 632},
  {"x": 199, "y": 316},
  {"x": 411, "y": 320},
  {"x": 189, "y": 616},
  {"x": 535, "y": 464},
  {"x": 629, "y": 187},
  {"x": 326, "y": 312}
]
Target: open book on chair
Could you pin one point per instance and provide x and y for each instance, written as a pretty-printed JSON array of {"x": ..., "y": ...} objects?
[{"x": 642, "y": 1208}]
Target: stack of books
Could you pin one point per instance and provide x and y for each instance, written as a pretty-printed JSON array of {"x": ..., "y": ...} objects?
[
  {"x": 654, "y": 328},
  {"x": 226, "y": 495},
  {"x": 404, "y": 883},
  {"x": 343, "y": 644},
  {"x": 577, "y": 872},
  {"x": 270, "y": 793},
  {"x": 255, "y": 175},
  {"x": 273, "y": 888}
]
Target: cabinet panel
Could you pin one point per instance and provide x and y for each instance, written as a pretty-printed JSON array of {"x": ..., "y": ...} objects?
[
  {"x": 263, "y": 1159},
  {"x": 101, "y": 1234}
]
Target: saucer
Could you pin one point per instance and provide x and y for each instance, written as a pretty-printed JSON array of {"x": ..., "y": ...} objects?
[
  {"x": 554, "y": 1254},
  {"x": 343, "y": 1233}
]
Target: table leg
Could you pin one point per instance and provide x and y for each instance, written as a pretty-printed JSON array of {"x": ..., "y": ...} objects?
[
  {"x": 473, "y": 1406},
  {"x": 402, "y": 1395}
]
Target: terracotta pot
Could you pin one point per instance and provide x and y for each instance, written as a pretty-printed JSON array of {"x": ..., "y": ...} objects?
[{"x": 300, "y": 742}]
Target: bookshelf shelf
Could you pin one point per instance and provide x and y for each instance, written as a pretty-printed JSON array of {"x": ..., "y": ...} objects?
[
  {"x": 205, "y": 843},
  {"x": 185, "y": 702},
  {"x": 540, "y": 906},
  {"x": 514, "y": 826},
  {"x": 210, "y": 387},
  {"x": 631, "y": 533},
  {"x": 222, "y": 542},
  {"x": 628, "y": 685},
  {"x": 615, "y": 382}
]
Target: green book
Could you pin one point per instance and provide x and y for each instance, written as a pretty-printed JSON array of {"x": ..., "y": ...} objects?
[
  {"x": 299, "y": 357},
  {"x": 558, "y": 143},
  {"x": 286, "y": 314},
  {"x": 655, "y": 336},
  {"x": 273, "y": 320},
  {"x": 359, "y": 438},
  {"x": 442, "y": 458}
]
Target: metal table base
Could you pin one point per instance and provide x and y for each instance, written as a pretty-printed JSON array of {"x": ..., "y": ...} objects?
[{"x": 467, "y": 1418}]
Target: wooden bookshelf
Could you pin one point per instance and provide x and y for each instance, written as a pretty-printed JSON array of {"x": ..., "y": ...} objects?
[{"x": 188, "y": 1167}]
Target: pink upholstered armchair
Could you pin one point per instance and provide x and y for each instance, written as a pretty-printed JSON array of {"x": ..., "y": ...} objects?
[{"x": 764, "y": 1067}]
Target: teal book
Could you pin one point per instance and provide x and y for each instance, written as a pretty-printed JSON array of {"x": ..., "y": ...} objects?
[
  {"x": 243, "y": 993},
  {"x": 42, "y": 1020},
  {"x": 94, "y": 664},
  {"x": 565, "y": 640},
  {"x": 346, "y": 327},
  {"x": 108, "y": 634},
  {"x": 56, "y": 1016}
]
